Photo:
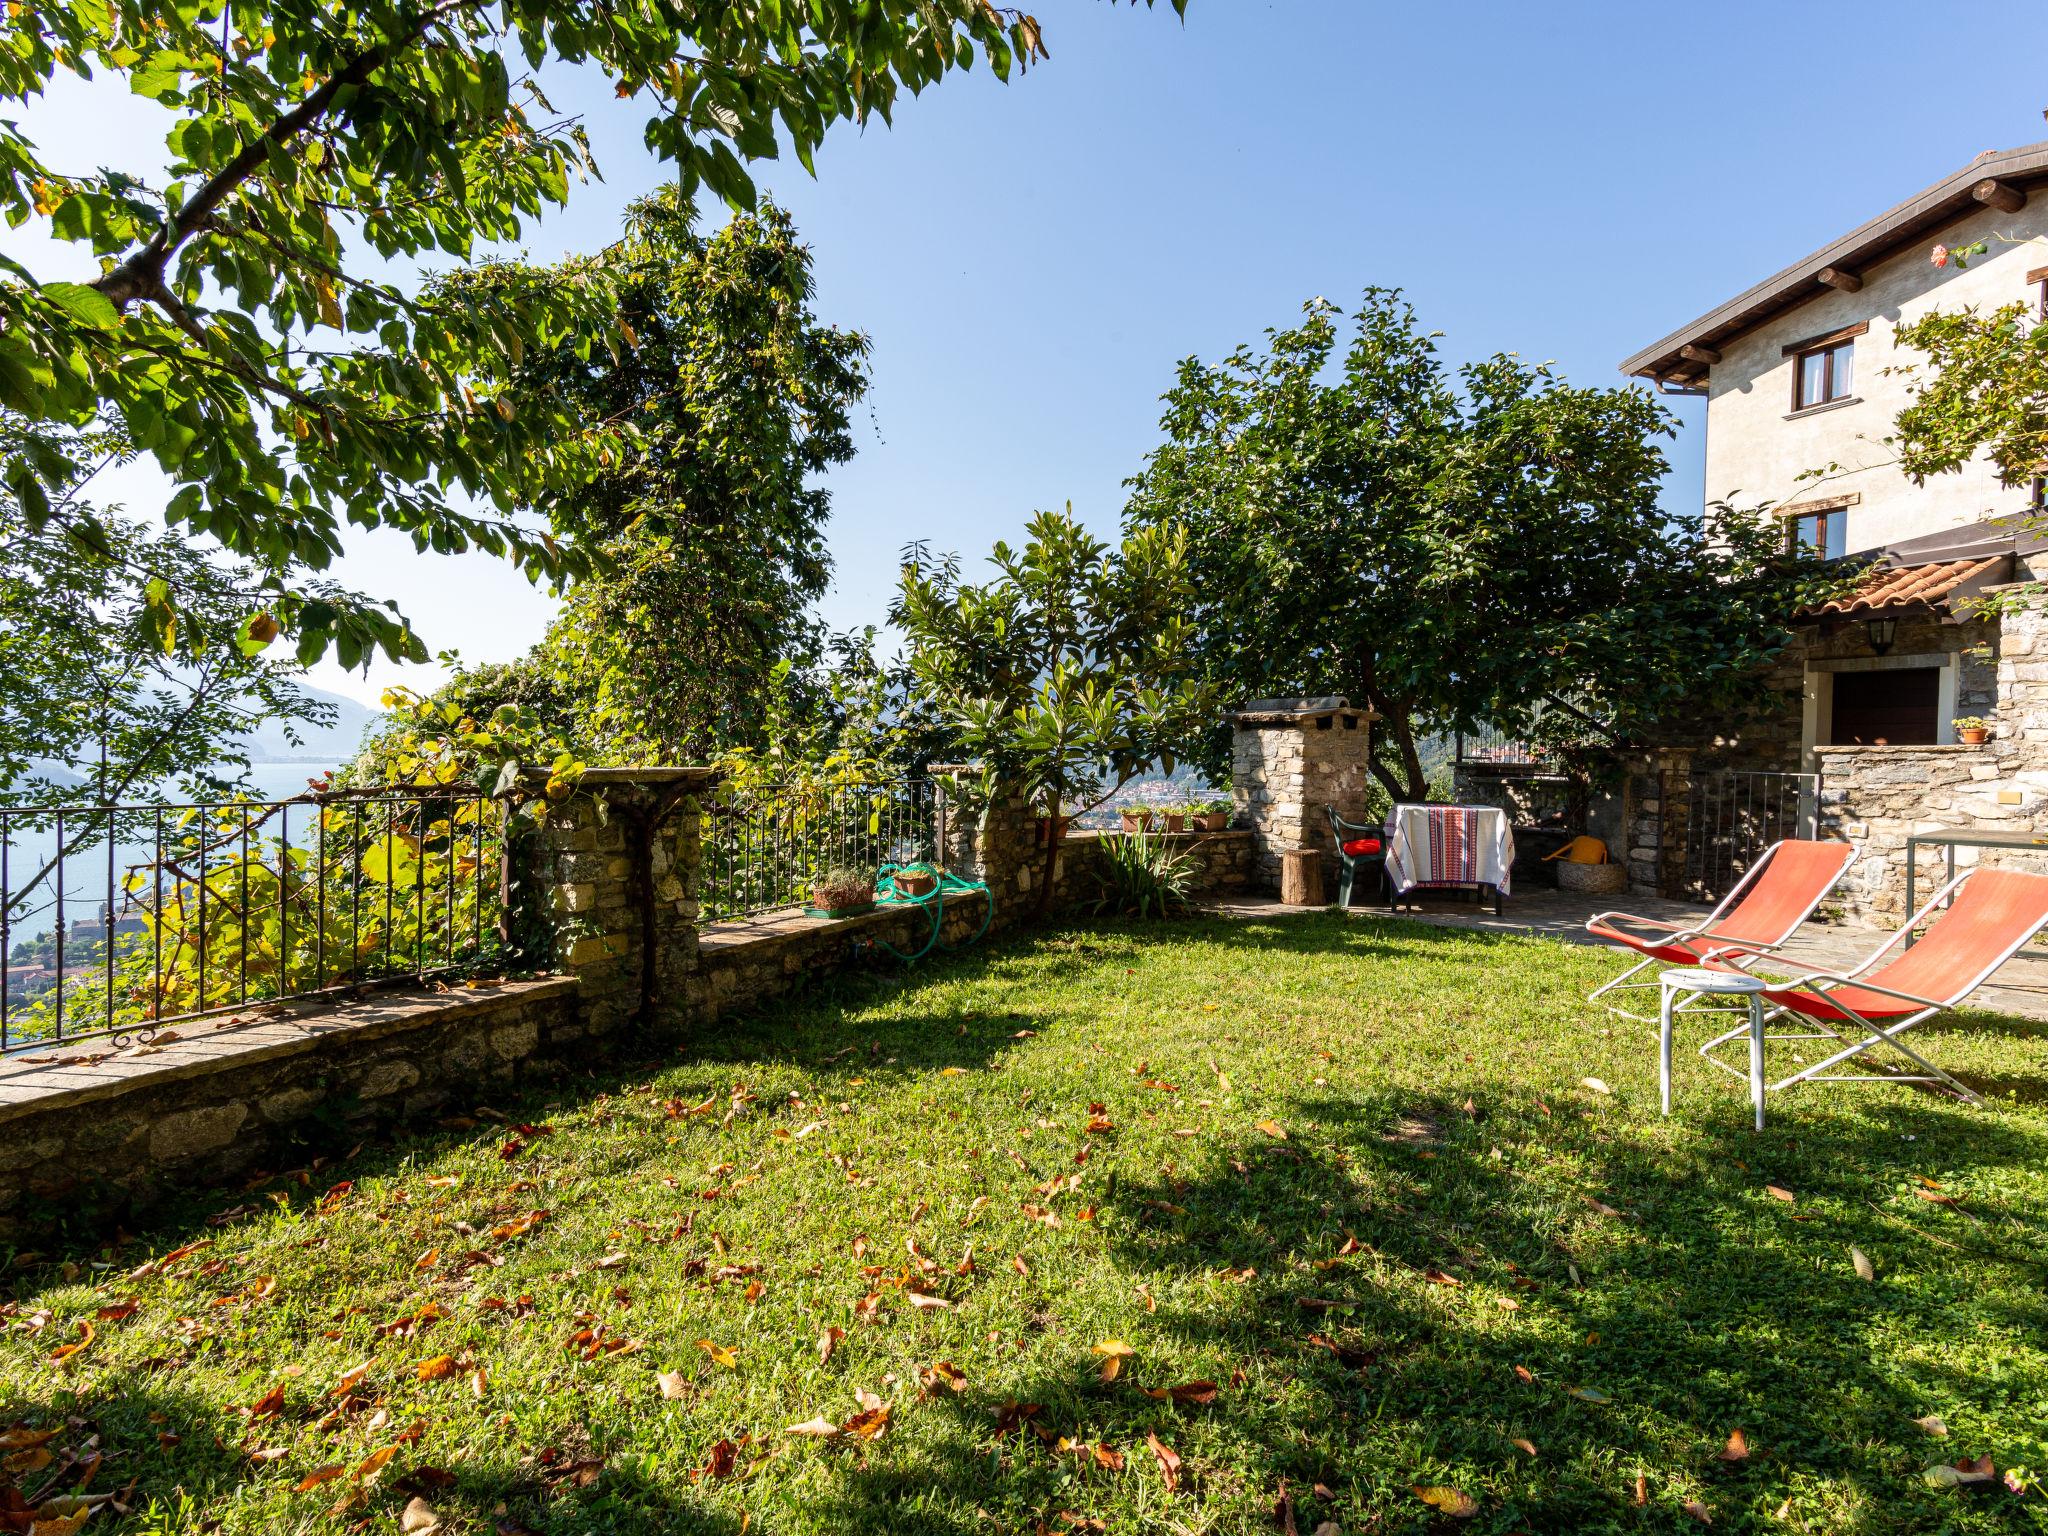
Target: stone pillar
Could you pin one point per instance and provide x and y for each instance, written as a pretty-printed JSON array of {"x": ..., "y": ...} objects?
[
  {"x": 617, "y": 872},
  {"x": 1291, "y": 761},
  {"x": 1656, "y": 808},
  {"x": 990, "y": 840}
]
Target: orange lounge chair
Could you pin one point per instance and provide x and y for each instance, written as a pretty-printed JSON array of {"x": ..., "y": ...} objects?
[
  {"x": 1996, "y": 912},
  {"x": 1770, "y": 901}
]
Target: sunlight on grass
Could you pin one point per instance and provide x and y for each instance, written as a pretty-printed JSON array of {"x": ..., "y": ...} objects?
[{"x": 1169, "y": 1226}]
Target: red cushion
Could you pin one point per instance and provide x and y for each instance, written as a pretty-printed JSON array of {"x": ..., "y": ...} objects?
[{"x": 1359, "y": 845}]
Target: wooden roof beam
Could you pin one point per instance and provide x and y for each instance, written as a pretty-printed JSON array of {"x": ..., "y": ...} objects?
[
  {"x": 1840, "y": 278},
  {"x": 1693, "y": 353},
  {"x": 1998, "y": 194}
]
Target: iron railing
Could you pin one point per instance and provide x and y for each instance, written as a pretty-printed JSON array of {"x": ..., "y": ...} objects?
[
  {"x": 121, "y": 919},
  {"x": 1733, "y": 815},
  {"x": 764, "y": 844},
  {"x": 1489, "y": 747}
]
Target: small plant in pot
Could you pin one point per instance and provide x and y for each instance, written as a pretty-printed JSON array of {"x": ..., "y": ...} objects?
[
  {"x": 841, "y": 892},
  {"x": 916, "y": 880},
  {"x": 1135, "y": 818},
  {"x": 1972, "y": 730},
  {"x": 1215, "y": 815},
  {"x": 1047, "y": 832},
  {"x": 1175, "y": 817}
]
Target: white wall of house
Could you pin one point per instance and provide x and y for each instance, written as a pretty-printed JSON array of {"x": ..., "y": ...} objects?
[{"x": 1758, "y": 447}]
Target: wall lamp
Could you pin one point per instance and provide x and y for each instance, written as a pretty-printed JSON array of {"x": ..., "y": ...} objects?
[{"x": 1882, "y": 633}]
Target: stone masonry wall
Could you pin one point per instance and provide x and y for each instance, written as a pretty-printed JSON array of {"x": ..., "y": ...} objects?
[
  {"x": 1876, "y": 796},
  {"x": 93, "y": 1135}
]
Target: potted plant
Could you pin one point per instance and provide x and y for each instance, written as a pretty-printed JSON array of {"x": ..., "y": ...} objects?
[
  {"x": 1215, "y": 815},
  {"x": 1135, "y": 818},
  {"x": 916, "y": 880},
  {"x": 841, "y": 892},
  {"x": 1175, "y": 817},
  {"x": 1048, "y": 834},
  {"x": 1971, "y": 730}
]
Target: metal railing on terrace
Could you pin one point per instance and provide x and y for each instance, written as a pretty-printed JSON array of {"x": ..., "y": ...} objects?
[
  {"x": 764, "y": 844},
  {"x": 118, "y": 920},
  {"x": 1489, "y": 747}
]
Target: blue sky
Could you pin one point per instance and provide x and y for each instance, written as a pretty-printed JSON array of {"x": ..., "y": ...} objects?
[{"x": 1567, "y": 181}]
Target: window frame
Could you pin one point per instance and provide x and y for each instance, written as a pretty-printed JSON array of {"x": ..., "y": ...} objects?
[
  {"x": 1825, "y": 350},
  {"x": 1819, "y": 518}
]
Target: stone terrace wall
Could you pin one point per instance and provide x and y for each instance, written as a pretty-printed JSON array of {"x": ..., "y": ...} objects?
[
  {"x": 94, "y": 1134},
  {"x": 1876, "y": 796}
]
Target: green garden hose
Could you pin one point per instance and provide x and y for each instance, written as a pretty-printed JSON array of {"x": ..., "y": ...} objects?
[{"x": 934, "y": 902}]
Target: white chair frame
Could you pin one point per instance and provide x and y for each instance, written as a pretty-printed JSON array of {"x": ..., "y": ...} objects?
[{"x": 1820, "y": 980}]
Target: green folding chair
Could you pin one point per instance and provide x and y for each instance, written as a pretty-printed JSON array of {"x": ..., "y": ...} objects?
[{"x": 1371, "y": 862}]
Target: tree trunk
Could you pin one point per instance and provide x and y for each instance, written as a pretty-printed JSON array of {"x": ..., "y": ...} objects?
[{"x": 1056, "y": 833}]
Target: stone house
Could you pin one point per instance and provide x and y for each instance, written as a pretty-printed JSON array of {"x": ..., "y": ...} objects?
[
  {"x": 1801, "y": 374},
  {"x": 1802, "y": 380}
]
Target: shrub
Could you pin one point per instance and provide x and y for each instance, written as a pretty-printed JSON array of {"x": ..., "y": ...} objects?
[{"x": 1143, "y": 875}]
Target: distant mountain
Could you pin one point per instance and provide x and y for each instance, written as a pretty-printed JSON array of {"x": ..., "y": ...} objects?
[{"x": 336, "y": 743}]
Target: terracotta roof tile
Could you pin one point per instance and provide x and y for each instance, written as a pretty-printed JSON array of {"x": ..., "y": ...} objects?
[{"x": 1911, "y": 586}]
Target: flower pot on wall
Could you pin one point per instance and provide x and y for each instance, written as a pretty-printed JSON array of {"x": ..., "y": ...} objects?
[
  {"x": 1973, "y": 738},
  {"x": 1135, "y": 821},
  {"x": 1175, "y": 822},
  {"x": 1045, "y": 829},
  {"x": 1215, "y": 821}
]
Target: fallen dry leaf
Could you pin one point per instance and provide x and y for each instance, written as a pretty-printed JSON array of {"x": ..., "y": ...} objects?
[
  {"x": 827, "y": 1342},
  {"x": 1459, "y": 1506},
  {"x": 1273, "y": 1129},
  {"x": 1737, "y": 1448},
  {"x": 1698, "y": 1511},
  {"x": 437, "y": 1368},
  {"x": 1779, "y": 1192},
  {"x": 1523, "y": 1444},
  {"x": 1169, "y": 1462},
  {"x": 319, "y": 1475},
  {"x": 1595, "y": 1084},
  {"x": 672, "y": 1383},
  {"x": 1865, "y": 1270},
  {"x": 721, "y": 1355}
]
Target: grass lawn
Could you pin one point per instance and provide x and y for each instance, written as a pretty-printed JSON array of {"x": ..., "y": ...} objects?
[{"x": 1323, "y": 1210}]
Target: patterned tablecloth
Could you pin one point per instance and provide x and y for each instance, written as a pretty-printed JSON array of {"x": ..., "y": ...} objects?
[{"x": 1448, "y": 845}]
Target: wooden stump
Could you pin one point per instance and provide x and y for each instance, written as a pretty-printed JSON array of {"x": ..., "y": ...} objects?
[{"x": 1301, "y": 877}]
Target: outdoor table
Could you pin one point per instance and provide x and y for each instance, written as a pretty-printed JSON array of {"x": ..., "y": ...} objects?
[
  {"x": 1701, "y": 982},
  {"x": 1449, "y": 847},
  {"x": 1952, "y": 838}
]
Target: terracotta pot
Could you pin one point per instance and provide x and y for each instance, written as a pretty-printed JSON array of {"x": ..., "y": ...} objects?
[
  {"x": 1045, "y": 829},
  {"x": 1136, "y": 821},
  {"x": 1974, "y": 738},
  {"x": 1215, "y": 821},
  {"x": 1175, "y": 822},
  {"x": 917, "y": 882}
]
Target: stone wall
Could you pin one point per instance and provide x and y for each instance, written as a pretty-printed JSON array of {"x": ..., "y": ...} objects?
[
  {"x": 93, "y": 1135},
  {"x": 1876, "y": 796}
]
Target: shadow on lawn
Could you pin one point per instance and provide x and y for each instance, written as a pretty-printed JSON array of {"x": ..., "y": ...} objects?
[{"x": 1695, "y": 1311}]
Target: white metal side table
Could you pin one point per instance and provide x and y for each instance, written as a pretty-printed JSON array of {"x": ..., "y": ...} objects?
[{"x": 1685, "y": 988}]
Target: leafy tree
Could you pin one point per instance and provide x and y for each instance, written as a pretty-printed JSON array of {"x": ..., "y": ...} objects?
[
  {"x": 1984, "y": 388},
  {"x": 135, "y": 659},
  {"x": 713, "y": 532},
  {"x": 240, "y": 328},
  {"x": 1449, "y": 548},
  {"x": 1072, "y": 672}
]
